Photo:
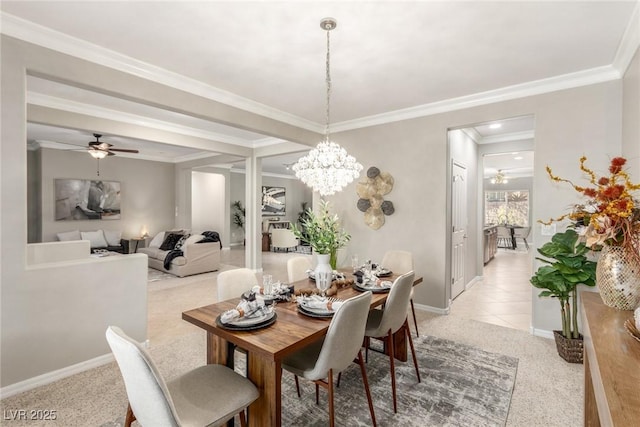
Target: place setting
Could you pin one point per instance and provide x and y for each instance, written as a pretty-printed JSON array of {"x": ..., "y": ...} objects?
[
  {"x": 251, "y": 313},
  {"x": 369, "y": 277},
  {"x": 318, "y": 306}
]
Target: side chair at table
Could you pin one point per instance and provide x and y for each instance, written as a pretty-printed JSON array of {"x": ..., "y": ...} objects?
[
  {"x": 297, "y": 268},
  {"x": 382, "y": 324},
  {"x": 401, "y": 262},
  {"x": 207, "y": 395},
  {"x": 333, "y": 353},
  {"x": 233, "y": 283}
]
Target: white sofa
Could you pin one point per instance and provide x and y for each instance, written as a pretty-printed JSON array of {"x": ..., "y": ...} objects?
[{"x": 197, "y": 257}]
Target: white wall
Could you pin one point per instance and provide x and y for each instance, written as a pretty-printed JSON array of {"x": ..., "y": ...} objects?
[
  {"x": 631, "y": 117},
  {"x": 207, "y": 202},
  {"x": 147, "y": 192},
  {"x": 569, "y": 124}
]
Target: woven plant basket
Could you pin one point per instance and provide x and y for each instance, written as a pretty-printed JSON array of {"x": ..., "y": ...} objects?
[{"x": 570, "y": 349}]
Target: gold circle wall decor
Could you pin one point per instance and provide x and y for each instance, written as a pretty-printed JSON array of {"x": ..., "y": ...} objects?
[{"x": 371, "y": 192}]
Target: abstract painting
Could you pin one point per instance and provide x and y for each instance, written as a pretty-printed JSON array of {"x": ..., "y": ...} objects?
[{"x": 82, "y": 199}]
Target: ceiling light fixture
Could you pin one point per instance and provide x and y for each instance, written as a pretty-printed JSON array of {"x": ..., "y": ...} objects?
[
  {"x": 500, "y": 178},
  {"x": 96, "y": 153},
  {"x": 495, "y": 126},
  {"x": 327, "y": 168}
]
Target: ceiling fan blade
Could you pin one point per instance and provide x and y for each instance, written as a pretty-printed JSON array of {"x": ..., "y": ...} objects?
[
  {"x": 99, "y": 145},
  {"x": 124, "y": 150},
  {"x": 109, "y": 153}
]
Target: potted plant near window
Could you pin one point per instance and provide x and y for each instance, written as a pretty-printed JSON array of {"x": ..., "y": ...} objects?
[
  {"x": 322, "y": 232},
  {"x": 566, "y": 267}
]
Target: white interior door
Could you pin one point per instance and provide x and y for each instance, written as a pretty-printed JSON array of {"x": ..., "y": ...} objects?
[{"x": 459, "y": 227}]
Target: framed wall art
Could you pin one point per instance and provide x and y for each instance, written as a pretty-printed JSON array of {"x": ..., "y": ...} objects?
[
  {"x": 82, "y": 199},
  {"x": 273, "y": 200}
]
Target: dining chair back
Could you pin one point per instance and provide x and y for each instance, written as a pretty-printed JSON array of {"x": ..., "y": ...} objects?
[
  {"x": 382, "y": 324},
  {"x": 522, "y": 233},
  {"x": 401, "y": 262},
  {"x": 233, "y": 283},
  {"x": 297, "y": 268},
  {"x": 504, "y": 237},
  {"x": 340, "y": 346},
  {"x": 202, "y": 396}
]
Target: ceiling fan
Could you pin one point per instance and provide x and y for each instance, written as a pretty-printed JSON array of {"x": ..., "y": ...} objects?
[{"x": 100, "y": 150}]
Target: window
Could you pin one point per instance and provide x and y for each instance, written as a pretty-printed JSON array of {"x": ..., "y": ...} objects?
[{"x": 506, "y": 207}]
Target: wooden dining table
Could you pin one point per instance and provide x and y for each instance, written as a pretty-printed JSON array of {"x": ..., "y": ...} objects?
[{"x": 267, "y": 347}]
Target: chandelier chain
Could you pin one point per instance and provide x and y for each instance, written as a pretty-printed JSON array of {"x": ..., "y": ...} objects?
[{"x": 328, "y": 81}]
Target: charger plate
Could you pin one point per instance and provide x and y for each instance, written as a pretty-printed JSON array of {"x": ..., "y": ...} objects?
[
  {"x": 374, "y": 289},
  {"x": 248, "y": 324}
]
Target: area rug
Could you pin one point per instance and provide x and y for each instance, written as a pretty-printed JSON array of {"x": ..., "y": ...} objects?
[
  {"x": 154, "y": 275},
  {"x": 461, "y": 386}
]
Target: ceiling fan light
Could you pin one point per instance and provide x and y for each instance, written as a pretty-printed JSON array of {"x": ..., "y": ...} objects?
[{"x": 97, "y": 154}]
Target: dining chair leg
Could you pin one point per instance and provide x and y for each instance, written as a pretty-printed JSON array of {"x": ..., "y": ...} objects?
[
  {"x": 389, "y": 342},
  {"x": 367, "y": 341},
  {"x": 317, "y": 395},
  {"x": 129, "y": 417},
  {"x": 330, "y": 388},
  {"x": 297, "y": 385},
  {"x": 413, "y": 350},
  {"x": 338, "y": 382},
  {"x": 415, "y": 322},
  {"x": 365, "y": 380},
  {"x": 243, "y": 419}
]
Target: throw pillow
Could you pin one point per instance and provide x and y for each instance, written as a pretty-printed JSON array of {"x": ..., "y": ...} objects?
[
  {"x": 193, "y": 239},
  {"x": 181, "y": 242},
  {"x": 157, "y": 240},
  {"x": 96, "y": 238},
  {"x": 112, "y": 237},
  {"x": 69, "y": 235},
  {"x": 170, "y": 241}
]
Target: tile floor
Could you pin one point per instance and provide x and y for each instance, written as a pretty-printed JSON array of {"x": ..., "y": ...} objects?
[{"x": 504, "y": 295}]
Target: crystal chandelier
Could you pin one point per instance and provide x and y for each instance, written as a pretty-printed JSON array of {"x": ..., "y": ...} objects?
[
  {"x": 327, "y": 168},
  {"x": 500, "y": 178}
]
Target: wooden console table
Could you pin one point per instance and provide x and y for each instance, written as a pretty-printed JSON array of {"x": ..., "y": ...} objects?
[{"x": 611, "y": 366}]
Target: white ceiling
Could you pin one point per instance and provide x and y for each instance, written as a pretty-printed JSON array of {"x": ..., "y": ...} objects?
[{"x": 388, "y": 58}]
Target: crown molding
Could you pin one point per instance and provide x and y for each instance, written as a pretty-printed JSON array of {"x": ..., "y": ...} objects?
[
  {"x": 42, "y": 100},
  {"x": 551, "y": 84},
  {"x": 473, "y": 134},
  {"x": 630, "y": 42},
  {"x": 269, "y": 174},
  {"x": 55, "y": 40}
]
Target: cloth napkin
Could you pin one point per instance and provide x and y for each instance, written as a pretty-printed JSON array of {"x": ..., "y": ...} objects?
[
  {"x": 250, "y": 306},
  {"x": 319, "y": 303}
]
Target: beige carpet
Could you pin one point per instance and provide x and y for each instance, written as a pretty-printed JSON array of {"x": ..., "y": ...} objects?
[{"x": 547, "y": 392}]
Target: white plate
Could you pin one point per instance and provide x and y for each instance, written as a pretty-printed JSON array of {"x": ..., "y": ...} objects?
[
  {"x": 323, "y": 311},
  {"x": 251, "y": 320}
]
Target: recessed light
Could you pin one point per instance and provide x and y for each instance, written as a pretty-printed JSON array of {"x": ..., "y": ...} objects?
[
  {"x": 518, "y": 158},
  {"x": 495, "y": 126}
]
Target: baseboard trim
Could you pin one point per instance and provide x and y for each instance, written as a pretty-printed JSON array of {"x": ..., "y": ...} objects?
[
  {"x": 473, "y": 282},
  {"x": 52, "y": 376},
  {"x": 432, "y": 309},
  {"x": 541, "y": 333}
]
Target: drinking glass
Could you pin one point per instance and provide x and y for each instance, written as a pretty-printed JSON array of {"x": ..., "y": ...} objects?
[
  {"x": 267, "y": 284},
  {"x": 323, "y": 281},
  {"x": 354, "y": 263}
]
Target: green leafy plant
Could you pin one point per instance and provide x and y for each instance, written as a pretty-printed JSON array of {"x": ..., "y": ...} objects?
[
  {"x": 322, "y": 232},
  {"x": 561, "y": 277},
  {"x": 239, "y": 213}
]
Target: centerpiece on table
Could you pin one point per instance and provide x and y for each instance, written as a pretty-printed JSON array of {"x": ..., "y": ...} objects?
[
  {"x": 324, "y": 233},
  {"x": 609, "y": 220}
]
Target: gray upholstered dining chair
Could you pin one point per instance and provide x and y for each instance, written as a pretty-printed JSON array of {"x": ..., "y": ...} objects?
[
  {"x": 207, "y": 395},
  {"x": 382, "y": 324},
  {"x": 522, "y": 233},
  {"x": 297, "y": 268},
  {"x": 401, "y": 262},
  {"x": 333, "y": 353},
  {"x": 233, "y": 283}
]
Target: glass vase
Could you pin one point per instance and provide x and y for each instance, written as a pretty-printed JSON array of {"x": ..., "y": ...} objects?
[{"x": 618, "y": 278}]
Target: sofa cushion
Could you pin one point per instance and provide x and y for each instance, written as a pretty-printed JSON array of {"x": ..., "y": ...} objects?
[
  {"x": 170, "y": 241},
  {"x": 69, "y": 235},
  {"x": 181, "y": 242},
  {"x": 96, "y": 238},
  {"x": 112, "y": 237}
]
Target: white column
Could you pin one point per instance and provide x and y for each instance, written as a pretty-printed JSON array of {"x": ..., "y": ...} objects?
[{"x": 253, "y": 200}]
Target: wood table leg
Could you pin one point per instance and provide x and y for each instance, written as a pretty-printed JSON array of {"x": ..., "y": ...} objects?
[
  {"x": 400, "y": 345},
  {"x": 266, "y": 375},
  {"x": 217, "y": 351}
]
